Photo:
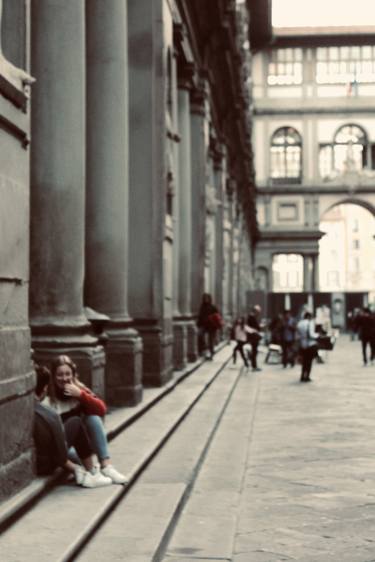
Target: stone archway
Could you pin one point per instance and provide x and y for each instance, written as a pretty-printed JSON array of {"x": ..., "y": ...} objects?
[{"x": 347, "y": 249}]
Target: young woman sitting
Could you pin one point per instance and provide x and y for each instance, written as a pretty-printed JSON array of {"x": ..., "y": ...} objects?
[{"x": 69, "y": 397}]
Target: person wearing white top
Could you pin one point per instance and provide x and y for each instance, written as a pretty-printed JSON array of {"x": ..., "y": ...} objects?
[
  {"x": 240, "y": 336},
  {"x": 307, "y": 337}
]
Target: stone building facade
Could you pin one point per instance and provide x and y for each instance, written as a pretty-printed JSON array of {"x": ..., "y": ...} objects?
[
  {"x": 314, "y": 132},
  {"x": 126, "y": 177}
]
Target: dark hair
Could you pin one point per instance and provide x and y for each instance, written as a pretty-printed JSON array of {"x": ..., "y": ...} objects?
[
  {"x": 53, "y": 391},
  {"x": 307, "y": 315},
  {"x": 43, "y": 378}
]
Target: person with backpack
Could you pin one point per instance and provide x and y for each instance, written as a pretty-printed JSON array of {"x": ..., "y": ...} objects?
[{"x": 308, "y": 347}]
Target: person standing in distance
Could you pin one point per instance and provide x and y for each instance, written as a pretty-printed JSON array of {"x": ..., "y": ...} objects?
[
  {"x": 254, "y": 335},
  {"x": 307, "y": 337}
]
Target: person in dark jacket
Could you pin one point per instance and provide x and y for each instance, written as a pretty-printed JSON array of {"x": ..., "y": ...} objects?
[
  {"x": 288, "y": 336},
  {"x": 207, "y": 325},
  {"x": 52, "y": 440},
  {"x": 254, "y": 336},
  {"x": 366, "y": 331}
]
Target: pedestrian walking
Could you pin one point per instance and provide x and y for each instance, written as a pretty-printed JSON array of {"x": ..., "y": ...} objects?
[
  {"x": 366, "y": 331},
  {"x": 254, "y": 335},
  {"x": 69, "y": 397},
  {"x": 307, "y": 337},
  {"x": 288, "y": 336},
  {"x": 240, "y": 337},
  {"x": 209, "y": 322}
]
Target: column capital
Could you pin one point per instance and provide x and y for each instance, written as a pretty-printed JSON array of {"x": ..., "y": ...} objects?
[
  {"x": 217, "y": 152},
  {"x": 230, "y": 188},
  {"x": 198, "y": 97},
  {"x": 186, "y": 73}
]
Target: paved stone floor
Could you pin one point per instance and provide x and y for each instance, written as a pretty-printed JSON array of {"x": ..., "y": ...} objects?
[{"x": 307, "y": 491}]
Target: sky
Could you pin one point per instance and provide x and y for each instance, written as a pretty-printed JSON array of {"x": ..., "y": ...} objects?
[{"x": 294, "y": 13}]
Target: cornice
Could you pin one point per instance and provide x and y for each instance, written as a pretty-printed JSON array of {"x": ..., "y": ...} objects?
[{"x": 318, "y": 189}]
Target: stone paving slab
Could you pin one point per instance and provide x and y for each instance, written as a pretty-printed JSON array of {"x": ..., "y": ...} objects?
[
  {"x": 309, "y": 490},
  {"x": 308, "y": 493},
  {"x": 176, "y": 465},
  {"x": 207, "y": 525}
]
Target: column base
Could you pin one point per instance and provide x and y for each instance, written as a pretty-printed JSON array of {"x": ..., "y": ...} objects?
[
  {"x": 179, "y": 343},
  {"x": 123, "y": 371},
  {"x": 82, "y": 348},
  {"x": 192, "y": 341},
  {"x": 17, "y": 466},
  {"x": 157, "y": 353}
]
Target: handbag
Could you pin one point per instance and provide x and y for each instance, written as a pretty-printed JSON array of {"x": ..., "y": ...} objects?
[
  {"x": 215, "y": 321},
  {"x": 325, "y": 342}
]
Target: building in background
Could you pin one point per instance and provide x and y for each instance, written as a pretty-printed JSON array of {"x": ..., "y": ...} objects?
[{"x": 314, "y": 133}]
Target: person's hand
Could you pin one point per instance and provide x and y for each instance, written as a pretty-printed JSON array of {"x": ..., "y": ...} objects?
[{"x": 71, "y": 389}]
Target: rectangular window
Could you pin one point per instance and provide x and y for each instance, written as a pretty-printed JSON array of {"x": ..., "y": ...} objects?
[
  {"x": 285, "y": 67},
  {"x": 356, "y": 245},
  {"x": 345, "y": 65},
  {"x": 287, "y": 212},
  {"x": 333, "y": 279}
]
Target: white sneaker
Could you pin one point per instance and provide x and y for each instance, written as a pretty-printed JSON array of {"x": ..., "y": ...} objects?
[
  {"x": 79, "y": 473},
  {"x": 96, "y": 480},
  {"x": 115, "y": 476}
]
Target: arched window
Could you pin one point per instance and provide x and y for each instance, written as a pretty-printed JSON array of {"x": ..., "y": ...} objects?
[
  {"x": 286, "y": 156},
  {"x": 350, "y": 150}
]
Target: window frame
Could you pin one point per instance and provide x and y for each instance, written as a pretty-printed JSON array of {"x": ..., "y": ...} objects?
[{"x": 286, "y": 164}]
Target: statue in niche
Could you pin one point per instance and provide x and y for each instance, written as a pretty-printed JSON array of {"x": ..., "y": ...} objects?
[
  {"x": 170, "y": 188},
  {"x": 351, "y": 176},
  {"x": 261, "y": 281},
  {"x": 209, "y": 238},
  {"x": 212, "y": 202}
]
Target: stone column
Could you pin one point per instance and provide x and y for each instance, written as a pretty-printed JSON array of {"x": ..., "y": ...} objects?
[
  {"x": 107, "y": 201},
  {"x": 198, "y": 178},
  {"x": 150, "y": 221},
  {"x": 218, "y": 158},
  {"x": 307, "y": 273},
  {"x": 230, "y": 189},
  {"x": 58, "y": 322},
  {"x": 185, "y": 323},
  {"x": 315, "y": 259}
]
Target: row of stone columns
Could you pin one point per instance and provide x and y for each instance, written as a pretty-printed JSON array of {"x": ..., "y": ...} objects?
[
  {"x": 79, "y": 190},
  {"x": 118, "y": 197}
]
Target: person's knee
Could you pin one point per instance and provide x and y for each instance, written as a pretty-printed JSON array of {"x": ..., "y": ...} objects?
[{"x": 94, "y": 425}]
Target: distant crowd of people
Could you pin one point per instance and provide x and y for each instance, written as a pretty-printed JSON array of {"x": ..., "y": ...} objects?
[
  {"x": 69, "y": 430},
  {"x": 301, "y": 338}
]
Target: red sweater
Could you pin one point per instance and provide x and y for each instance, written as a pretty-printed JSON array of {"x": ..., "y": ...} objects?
[{"x": 87, "y": 404}]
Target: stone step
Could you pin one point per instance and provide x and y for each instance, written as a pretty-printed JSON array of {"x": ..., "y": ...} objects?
[
  {"x": 207, "y": 527},
  {"x": 117, "y": 420},
  {"x": 140, "y": 526},
  {"x": 68, "y": 515}
]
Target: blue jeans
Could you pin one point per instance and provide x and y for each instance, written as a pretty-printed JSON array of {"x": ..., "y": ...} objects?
[{"x": 97, "y": 435}]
